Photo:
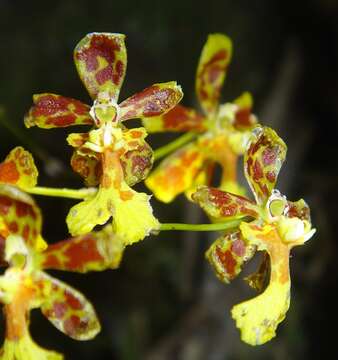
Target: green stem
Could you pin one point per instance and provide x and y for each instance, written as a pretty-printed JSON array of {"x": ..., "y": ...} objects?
[
  {"x": 177, "y": 143},
  {"x": 66, "y": 193},
  {"x": 201, "y": 227}
]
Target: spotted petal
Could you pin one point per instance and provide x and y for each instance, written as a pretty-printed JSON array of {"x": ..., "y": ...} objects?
[
  {"x": 101, "y": 61},
  {"x": 95, "y": 251},
  {"x": 19, "y": 169},
  {"x": 88, "y": 168},
  {"x": 180, "y": 118},
  {"x": 263, "y": 161},
  {"x": 176, "y": 173},
  {"x": 67, "y": 309},
  {"x": 50, "y": 111},
  {"x": 299, "y": 209},
  {"x": 152, "y": 101},
  {"x": 220, "y": 204},
  {"x": 21, "y": 215},
  {"x": 137, "y": 163},
  {"x": 228, "y": 254},
  {"x": 211, "y": 71},
  {"x": 244, "y": 119}
]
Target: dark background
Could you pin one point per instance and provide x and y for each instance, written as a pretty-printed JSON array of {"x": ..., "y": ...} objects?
[{"x": 164, "y": 302}]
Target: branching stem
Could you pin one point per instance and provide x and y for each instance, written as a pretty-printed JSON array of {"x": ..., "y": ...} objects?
[
  {"x": 177, "y": 143},
  {"x": 201, "y": 227}
]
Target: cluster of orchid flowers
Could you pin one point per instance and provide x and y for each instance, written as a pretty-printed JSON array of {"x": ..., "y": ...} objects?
[{"x": 111, "y": 158}]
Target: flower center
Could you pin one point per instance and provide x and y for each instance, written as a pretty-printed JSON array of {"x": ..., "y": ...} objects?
[{"x": 104, "y": 110}]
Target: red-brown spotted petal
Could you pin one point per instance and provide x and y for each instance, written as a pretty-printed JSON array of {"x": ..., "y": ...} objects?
[
  {"x": 51, "y": 111},
  {"x": 137, "y": 163},
  {"x": 67, "y": 309},
  {"x": 96, "y": 251},
  {"x": 101, "y": 61},
  {"x": 211, "y": 71},
  {"x": 180, "y": 118},
  {"x": 220, "y": 204},
  {"x": 20, "y": 215},
  {"x": 19, "y": 169},
  {"x": 228, "y": 254},
  {"x": 152, "y": 101},
  {"x": 263, "y": 161},
  {"x": 89, "y": 168},
  {"x": 299, "y": 209},
  {"x": 244, "y": 119}
]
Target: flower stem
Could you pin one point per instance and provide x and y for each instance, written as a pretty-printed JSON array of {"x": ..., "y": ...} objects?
[
  {"x": 168, "y": 148},
  {"x": 201, "y": 227},
  {"x": 66, "y": 193}
]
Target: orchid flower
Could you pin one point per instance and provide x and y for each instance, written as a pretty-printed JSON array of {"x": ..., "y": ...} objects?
[
  {"x": 24, "y": 285},
  {"x": 278, "y": 226},
  {"x": 110, "y": 155},
  {"x": 222, "y": 130}
]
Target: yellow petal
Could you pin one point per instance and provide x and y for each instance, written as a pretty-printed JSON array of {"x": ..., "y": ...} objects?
[
  {"x": 211, "y": 71},
  {"x": 83, "y": 217},
  {"x": 26, "y": 349},
  {"x": 176, "y": 173},
  {"x": 133, "y": 219},
  {"x": 132, "y": 214},
  {"x": 258, "y": 318}
]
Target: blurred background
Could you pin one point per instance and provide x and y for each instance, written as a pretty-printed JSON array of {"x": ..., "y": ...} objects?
[{"x": 165, "y": 302}]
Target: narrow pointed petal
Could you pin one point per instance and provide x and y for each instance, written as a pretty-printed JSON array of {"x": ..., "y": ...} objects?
[
  {"x": 67, "y": 309},
  {"x": 263, "y": 161},
  {"x": 228, "y": 254},
  {"x": 51, "y": 111},
  {"x": 152, "y": 101},
  {"x": 96, "y": 251},
  {"x": 26, "y": 349},
  {"x": 220, "y": 204},
  {"x": 244, "y": 119},
  {"x": 179, "y": 119},
  {"x": 101, "y": 61},
  {"x": 211, "y": 71},
  {"x": 259, "y": 317},
  {"x": 176, "y": 173},
  {"x": 19, "y": 169},
  {"x": 21, "y": 216}
]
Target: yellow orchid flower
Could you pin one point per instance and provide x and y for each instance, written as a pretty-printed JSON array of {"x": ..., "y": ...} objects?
[
  {"x": 110, "y": 155},
  {"x": 222, "y": 131},
  {"x": 24, "y": 285},
  {"x": 278, "y": 226}
]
